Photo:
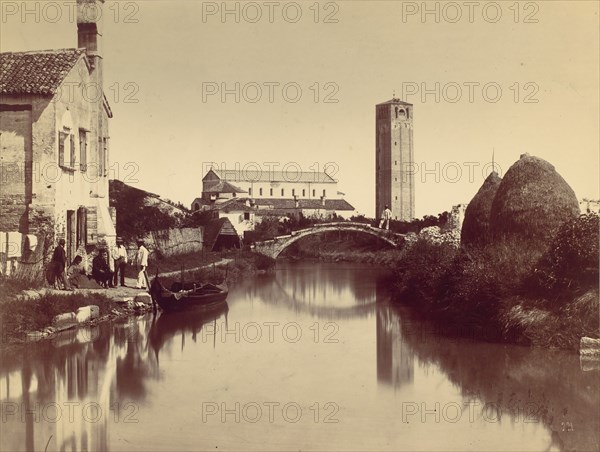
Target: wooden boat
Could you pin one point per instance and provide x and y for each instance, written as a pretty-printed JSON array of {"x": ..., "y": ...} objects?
[{"x": 188, "y": 295}]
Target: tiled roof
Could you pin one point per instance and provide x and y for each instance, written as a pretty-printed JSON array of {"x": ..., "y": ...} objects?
[
  {"x": 39, "y": 72},
  {"x": 223, "y": 187},
  {"x": 215, "y": 228},
  {"x": 274, "y": 176}
]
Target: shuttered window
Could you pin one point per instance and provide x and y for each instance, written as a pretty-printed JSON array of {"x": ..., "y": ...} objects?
[
  {"x": 61, "y": 148},
  {"x": 71, "y": 163},
  {"x": 92, "y": 225},
  {"x": 82, "y": 150}
]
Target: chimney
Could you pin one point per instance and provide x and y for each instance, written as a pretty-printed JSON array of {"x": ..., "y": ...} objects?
[{"x": 89, "y": 34}]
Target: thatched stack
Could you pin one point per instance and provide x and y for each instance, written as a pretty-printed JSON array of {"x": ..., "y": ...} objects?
[
  {"x": 531, "y": 203},
  {"x": 475, "y": 227}
]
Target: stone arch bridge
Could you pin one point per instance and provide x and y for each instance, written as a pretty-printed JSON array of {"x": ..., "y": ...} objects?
[{"x": 274, "y": 247}]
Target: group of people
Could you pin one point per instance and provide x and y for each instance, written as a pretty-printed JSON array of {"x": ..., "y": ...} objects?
[{"x": 74, "y": 276}]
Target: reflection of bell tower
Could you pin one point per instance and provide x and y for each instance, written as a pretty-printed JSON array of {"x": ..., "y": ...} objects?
[
  {"x": 395, "y": 358},
  {"x": 394, "y": 160}
]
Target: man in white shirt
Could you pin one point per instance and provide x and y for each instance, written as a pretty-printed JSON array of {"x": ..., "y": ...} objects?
[
  {"x": 119, "y": 255},
  {"x": 386, "y": 216},
  {"x": 142, "y": 264}
]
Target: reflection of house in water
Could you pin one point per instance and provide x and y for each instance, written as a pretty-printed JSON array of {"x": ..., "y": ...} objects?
[
  {"x": 395, "y": 358},
  {"x": 68, "y": 391}
]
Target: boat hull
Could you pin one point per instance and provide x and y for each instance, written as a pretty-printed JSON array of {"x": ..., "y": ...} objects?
[{"x": 206, "y": 298}]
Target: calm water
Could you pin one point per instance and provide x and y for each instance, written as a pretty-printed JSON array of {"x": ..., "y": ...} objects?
[{"x": 312, "y": 357}]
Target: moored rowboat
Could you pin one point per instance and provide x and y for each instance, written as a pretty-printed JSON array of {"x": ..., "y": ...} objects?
[{"x": 187, "y": 295}]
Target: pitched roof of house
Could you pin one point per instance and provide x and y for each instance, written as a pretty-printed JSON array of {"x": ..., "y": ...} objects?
[
  {"x": 396, "y": 101},
  {"x": 273, "y": 176},
  {"x": 215, "y": 228},
  {"x": 38, "y": 72},
  {"x": 223, "y": 187}
]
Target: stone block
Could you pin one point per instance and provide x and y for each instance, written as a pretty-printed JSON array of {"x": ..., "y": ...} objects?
[
  {"x": 143, "y": 297},
  {"x": 87, "y": 313}
]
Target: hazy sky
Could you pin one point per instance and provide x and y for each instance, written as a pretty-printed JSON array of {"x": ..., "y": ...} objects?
[{"x": 166, "y": 54}]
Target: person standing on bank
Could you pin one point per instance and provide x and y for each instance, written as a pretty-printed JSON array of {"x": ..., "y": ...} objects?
[
  {"x": 386, "y": 216},
  {"x": 142, "y": 264},
  {"x": 55, "y": 273},
  {"x": 119, "y": 255}
]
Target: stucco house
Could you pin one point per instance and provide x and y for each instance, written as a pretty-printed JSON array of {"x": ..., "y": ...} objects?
[{"x": 54, "y": 144}]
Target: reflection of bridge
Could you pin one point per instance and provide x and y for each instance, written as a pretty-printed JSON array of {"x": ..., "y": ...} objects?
[{"x": 275, "y": 246}]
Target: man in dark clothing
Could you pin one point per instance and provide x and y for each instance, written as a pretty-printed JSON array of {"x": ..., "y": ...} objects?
[
  {"x": 55, "y": 272},
  {"x": 101, "y": 270}
]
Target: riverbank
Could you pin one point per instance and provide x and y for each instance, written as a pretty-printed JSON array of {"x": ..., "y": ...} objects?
[
  {"x": 498, "y": 294},
  {"x": 27, "y": 310}
]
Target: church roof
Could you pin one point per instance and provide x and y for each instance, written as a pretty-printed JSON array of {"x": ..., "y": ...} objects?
[
  {"x": 274, "y": 176},
  {"x": 37, "y": 72}
]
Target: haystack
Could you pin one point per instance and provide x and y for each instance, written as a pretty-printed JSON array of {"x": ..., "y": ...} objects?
[
  {"x": 475, "y": 228},
  {"x": 531, "y": 203}
]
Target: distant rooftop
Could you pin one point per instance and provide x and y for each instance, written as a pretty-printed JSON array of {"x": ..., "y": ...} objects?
[{"x": 274, "y": 176}]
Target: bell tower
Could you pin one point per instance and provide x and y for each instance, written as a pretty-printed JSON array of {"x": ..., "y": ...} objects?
[{"x": 394, "y": 159}]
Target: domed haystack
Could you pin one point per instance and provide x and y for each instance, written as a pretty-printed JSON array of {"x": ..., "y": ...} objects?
[
  {"x": 475, "y": 227},
  {"x": 531, "y": 203}
]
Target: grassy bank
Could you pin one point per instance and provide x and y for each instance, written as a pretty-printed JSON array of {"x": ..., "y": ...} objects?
[
  {"x": 509, "y": 290},
  {"x": 18, "y": 317}
]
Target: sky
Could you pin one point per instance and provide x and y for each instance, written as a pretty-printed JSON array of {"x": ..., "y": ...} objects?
[{"x": 486, "y": 78}]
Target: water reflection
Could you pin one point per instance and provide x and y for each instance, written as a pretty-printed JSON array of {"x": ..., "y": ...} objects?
[
  {"x": 181, "y": 323},
  {"x": 79, "y": 390},
  {"x": 508, "y": 382},
  {"x": 327, "y": 292}
]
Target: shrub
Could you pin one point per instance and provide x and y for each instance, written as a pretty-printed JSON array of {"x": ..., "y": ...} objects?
[{"x": 571, "y": 263}]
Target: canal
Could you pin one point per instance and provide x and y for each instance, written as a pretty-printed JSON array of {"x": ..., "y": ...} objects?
[{"x": 312, "y": 357}]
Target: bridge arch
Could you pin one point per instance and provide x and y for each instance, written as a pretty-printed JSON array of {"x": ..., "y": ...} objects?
[{"x": 275, "y": 247}]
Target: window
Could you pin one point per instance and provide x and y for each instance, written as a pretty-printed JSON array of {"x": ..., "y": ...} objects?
[
  {"x": 293, "y": 192},
  {"x": 260, "y": 191},
  {"x": 81, "y": 227},
  {"x": 82, "y": 150},
  {"x": 102, "y": 156},
  {"x": 314, "y": 192},
  {"x": 270, "y": 192},
  {"x": 72, "y": 154},
  {"x": 196, "y": 206},
  {"x": 247, "y": 216},
  {"x": 323, "y": 192},
  {"x": 250, "y": 191},
  {"x": 395, "y": 162},
  {"x": 62, "y": 136},
  {"x": 303, "y": 192},
  {"x": 282, "y": 192},
  {"x": 234, "y": 194}
]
